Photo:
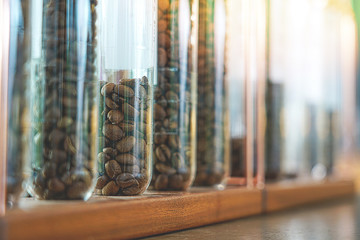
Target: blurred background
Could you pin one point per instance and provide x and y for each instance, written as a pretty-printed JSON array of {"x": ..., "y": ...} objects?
[{"x": 309, "y": 77}]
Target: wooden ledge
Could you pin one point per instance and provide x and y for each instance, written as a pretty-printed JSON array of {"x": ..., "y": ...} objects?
[
  {"x": 118, "y": 217},
  {"x": 285, "y": 195},
  {"x": 158, "y": 212}
]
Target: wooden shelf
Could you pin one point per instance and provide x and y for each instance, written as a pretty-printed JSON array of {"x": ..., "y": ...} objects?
[
  {"x": 118, "y": 217},
  {"x": 285, "y": 195},
  {"x": 156, "y": 212}
]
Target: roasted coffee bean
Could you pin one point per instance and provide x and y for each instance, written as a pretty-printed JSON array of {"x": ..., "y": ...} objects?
[
  {"x": 103, "y": 157},
  {"x": 126, "y": 144},
  {"x": 111, "y": 152},
  {"x": 127, "y": 108},
  {"x": 160, "y": 137},
  {"x": 178, "y": 160},
  {"x": 126, "y": 159},
  {"x": 102, "y": 181},
  {"x": 134, "y": 169},
  {"x": 117, "y": 99},
  {"x": 127, "y": 127},
  {"x": 115, "y": 116},
  {"x": 162, "y": 168},
  {"x": 176, "y": 182},
  {"x": 55, "y": 185},
  {"x": 174, "y": 141},
  {"x": 124, "y": 91},
  {"x": 126, "y": 139},
  {"x": 112, "y": 168},
  {"x": 108, "y": 89},
  {"x": 164, "y": 5},
  {"x": 140, "y": 92},
  {"x": 110, "y": 189},
  {"x": 162, "y": 57},
  {"x": 132, "y": 190},
  {"x": 112, "y": 132},
  {"x": 126, "y": 180},
  {"x": 163, "y": 153},
  {"x": 69, "y": 146},
  {"x": 159, "y": 112},
  {"x": 111, "y": 104},
  {"x": 49, "y": 170},
  {"x": 161, "y": 182}
]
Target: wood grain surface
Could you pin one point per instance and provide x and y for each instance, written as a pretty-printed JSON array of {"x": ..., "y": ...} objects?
[
  {"x": 286, "y": 195},
  {"x": 157, "y": 212},
  {"x": 120, "y": 218}
]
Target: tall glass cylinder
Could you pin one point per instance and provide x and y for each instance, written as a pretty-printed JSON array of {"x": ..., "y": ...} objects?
[
  {"x": 213, "y": 146},
  {"x": 64, "y": 111},
  {"x": 18, "y": 107},
  {"x": 175, "y": 95},
  {"x": 128, "y": 66},
  {"x": 236, "y": 55}
]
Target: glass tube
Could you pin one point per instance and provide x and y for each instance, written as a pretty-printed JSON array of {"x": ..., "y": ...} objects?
[
  {"x": 64, "y": 90},
  {"x": 128, "y": 68},
  {"x": 175, "y": 95}
]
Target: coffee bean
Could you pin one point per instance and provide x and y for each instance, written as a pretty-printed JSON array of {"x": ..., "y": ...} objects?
[
  {"x": 126, "y": 144},
  {"x": 112, "y": 132},
  {"x": 55, "y": 185},
  {"x": 110, "y": 152},
  {"x": 161, "y": 182},
  {"x": 126, "y": 180},
  {"x": 111, "y": 104},
  {"x": 130, "y": 110},
  {"x": 172, "y": 96},
  {"x": 102, "y": 181},
  {"x": 164, "y": 40},
  {"x": 103, "y": 157},
  {"x": 164, "y": 5},
  {"x": 178, "y": 160},
  {"x": 107, "y": 89},
  {"x": 115, "y": 116},
  {"x": 110, "y": 189},
  {"x": 117, "y": 99},
  {"x": 69, "y": 146},
  {"x": 112, "y": 168},
  {"x": 133, "y": 169},
  {"x": 49, "y": 170},
  {"x": 127, "y": 127},
  {"x": 140, "y": 93},
  {"x": 174, "y": 141},
  {"x": 132, "y": 190},
  {"x": 160, "y": 137},
  {"x": 163, "y": 153},
  {"x": 126, "y": 159},
  {"x": 162, "y": 26},
  {"x": 162, "y": 57},
  {"x": 124, "y": 91},
  {"x": 162, "y": 168},
  {"x": 176, "y": 182},
  {"x": 159, "y": 112}
]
